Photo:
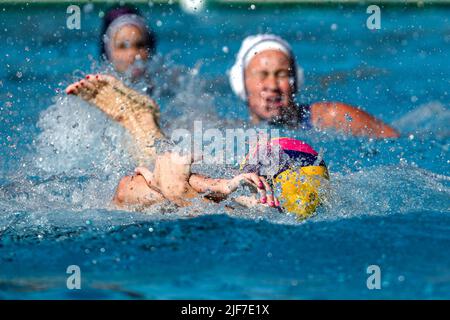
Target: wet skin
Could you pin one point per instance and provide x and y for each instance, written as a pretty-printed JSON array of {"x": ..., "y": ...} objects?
[
  {"x": 268, "y": 86},
  {"x": 172, "y": 178},
  {"x": 127, "y": 46},
  {"x": 270, "y": 97}
]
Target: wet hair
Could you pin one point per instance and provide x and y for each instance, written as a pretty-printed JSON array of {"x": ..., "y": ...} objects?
[{"x": 113, "y": 14}]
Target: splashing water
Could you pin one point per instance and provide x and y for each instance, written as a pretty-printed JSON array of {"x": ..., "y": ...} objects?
[{"x": 388, "y": 201}]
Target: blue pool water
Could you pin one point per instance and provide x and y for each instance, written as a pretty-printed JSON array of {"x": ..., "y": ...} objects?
[{"x": 60, "y": 160}]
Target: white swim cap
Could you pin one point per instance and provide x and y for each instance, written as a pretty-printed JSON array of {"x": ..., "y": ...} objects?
[{"x": 251, "y": 46}]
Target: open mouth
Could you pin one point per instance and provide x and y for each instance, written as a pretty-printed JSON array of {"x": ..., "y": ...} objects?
[{"x": 274, "y": 102}]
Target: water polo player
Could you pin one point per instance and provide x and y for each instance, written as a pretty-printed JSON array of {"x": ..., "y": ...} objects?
[
  {"x": 127, "y": 42},
  {"x": 289, "y": 175},
  {"x": 266, "y": 76},
  {"x": 296, "y": 174}
]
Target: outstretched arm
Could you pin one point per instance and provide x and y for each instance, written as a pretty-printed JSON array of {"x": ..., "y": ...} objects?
[
  {"x": 349, "y": 119},
  {"x": 221, "y": 188},
  {"x": 172, "y": 180}
]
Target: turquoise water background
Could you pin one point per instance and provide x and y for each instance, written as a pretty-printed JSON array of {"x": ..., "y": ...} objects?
[{"x": 60, "y": 160}]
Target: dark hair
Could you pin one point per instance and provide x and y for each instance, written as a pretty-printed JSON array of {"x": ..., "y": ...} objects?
[{"x": 113, "y": 14}]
